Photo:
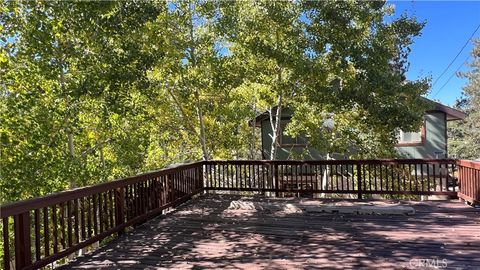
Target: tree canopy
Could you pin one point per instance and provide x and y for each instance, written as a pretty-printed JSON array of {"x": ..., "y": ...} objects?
[
  {"x": 464, "y": 137},
  {"x": 93, "y": 91}
]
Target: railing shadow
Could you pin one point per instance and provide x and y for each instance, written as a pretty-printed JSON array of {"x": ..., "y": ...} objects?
[{"x": 207, "y": 233}]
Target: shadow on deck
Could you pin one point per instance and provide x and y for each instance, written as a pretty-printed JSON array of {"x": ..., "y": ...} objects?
[{"x": 207, "y": 232}]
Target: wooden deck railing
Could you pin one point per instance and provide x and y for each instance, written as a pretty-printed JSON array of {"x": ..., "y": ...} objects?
[
  {"x": 469, "y": 177},
  {"x": 42, "y": 230},
  {"x": 401, "y": 177},
  {"x": 52, "y": 227}
]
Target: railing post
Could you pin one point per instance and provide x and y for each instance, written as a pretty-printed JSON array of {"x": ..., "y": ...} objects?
[
  {"x": 170, "y": 195},
  {"x": 275, "y": 170},
  {"x": 201, "y": 183},
  {"x": 359, "y": 180},
  {"x": 23, "y": 253},
  {"x": 120, "y": 208}
]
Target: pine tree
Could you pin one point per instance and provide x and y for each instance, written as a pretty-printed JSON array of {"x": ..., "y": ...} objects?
[{"x": 464, "y": 136}]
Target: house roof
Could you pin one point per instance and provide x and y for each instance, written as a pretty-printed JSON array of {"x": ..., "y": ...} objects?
[
  {"x": 263, "y": 116},
  {"x": 452, "y": 113}
]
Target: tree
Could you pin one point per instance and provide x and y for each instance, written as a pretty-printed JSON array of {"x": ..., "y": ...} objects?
[
  {"x": 267, "y": 41},
  {"x": 73, "y": 76},
  {"x": 93, "y": 91},
  {"x": 356, "y": 77},
  {"x": 329, "y": 61},
  {"x": 464, "y": 136}
]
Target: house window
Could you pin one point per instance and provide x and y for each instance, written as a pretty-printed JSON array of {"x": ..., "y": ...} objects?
[
  {"x": 286, "y": 140},
  {"x": 411, "y": 138}
]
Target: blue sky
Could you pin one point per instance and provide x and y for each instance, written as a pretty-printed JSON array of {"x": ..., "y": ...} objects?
[{"x": 449, "y": 25}]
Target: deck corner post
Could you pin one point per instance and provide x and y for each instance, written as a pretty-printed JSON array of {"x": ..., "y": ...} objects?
[
  {"x": 23, "y": 245},
  {"x": 359, "y": 180},
  {"x": 120, "y": 208}
]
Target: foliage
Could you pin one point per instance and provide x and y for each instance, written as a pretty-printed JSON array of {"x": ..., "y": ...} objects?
[
  {"x": 73, "y": 70},
  {"x": 326, "y": 61},
  {"x": 464, "y": 136},
  {"x": 93, "y": 91}
]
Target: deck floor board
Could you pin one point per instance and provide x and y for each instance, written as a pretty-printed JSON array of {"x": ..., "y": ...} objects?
[{"x": 207, "y": 233}]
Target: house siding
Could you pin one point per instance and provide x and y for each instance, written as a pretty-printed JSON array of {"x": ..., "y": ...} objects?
[
  {"x": 285, "y": 153},
  {"x": 435, "y": 145}
]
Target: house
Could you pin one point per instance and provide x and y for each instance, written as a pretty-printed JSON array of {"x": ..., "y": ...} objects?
[{"x": 429, "y": 142}]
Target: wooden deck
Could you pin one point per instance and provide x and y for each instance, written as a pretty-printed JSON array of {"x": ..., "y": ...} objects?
[{"x": 207, "y": 232}]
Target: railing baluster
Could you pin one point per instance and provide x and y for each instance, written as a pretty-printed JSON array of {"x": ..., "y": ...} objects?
[
  {"x": 144, "y": 187},
  {"x": 76, "y": 220},
  {"x": 224, "y": 184},
  {"x": 255, "y": 176},
  {"x": 400, "y": 188},
  {"x": 137, "y": 198},
  {"x": 95, "y": 214},
  {"x": 213, "y": 180},
  {"x": 225, "y": 181},
  {"x": 440, "y": 175},
  {"x": 69, "y": 223},
  {"x": 23, "y": 254},
  {"x": 381, "y": 176},
  {"x": 62, "y": 226},
  {"x": 119, "y": 208},
  {"x": 101, "y": 210},
  {"x": 54, "y": 229},
  {"x": 369, "y": 176},
  {"x": 210, "y": 176},
  {"x": 6, "y": 244},
  {"x": 37, "y": 234},
  {"x": 82, "y": 219},
  {"x": 156, "y": 194},
  {"x": 143, "y": 195},
  {"x": 46, "y": 232},
  {"x": 359, "y": 181},
  {"x": 277, "y": 181},
  {"x": 294, "y": 176},
  {"x": 428, "y": 177},
  {"x": 348, "y": 178},
  {"x": 311, "y": 174},
  {"x": 422, "y": 177},
  {"x": 392, "y": 177},
  {"x": 111, "y": 207}
]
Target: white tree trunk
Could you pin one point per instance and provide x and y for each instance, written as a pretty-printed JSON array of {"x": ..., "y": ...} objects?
[
  {"x": 325, "y": 177},
  {"x": 276, "y": 128},
  {"x": 202, "y": 126},
  {"x": 278, "y": 115},
  {"x": 253, "y": 140},
  {"x": 71, "y": 147},
  {"x": 196, "y": 91}
]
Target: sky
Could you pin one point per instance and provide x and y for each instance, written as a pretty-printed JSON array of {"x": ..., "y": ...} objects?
[{"x": 449, "y": 24}]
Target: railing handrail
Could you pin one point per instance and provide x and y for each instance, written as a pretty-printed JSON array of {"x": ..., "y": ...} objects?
[
  {"x": 334, "y": 161},
  {"x": 469, "y": 163},
  {"x": 19, "y": 207},
  {"x": 469, "y": 180}
]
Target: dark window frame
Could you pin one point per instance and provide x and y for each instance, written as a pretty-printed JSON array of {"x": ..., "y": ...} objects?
[{"x": 283, "y": 123}]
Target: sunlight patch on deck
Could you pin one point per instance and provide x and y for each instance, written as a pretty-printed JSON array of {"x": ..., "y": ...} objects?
[{"x": 247, "y": 207}]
